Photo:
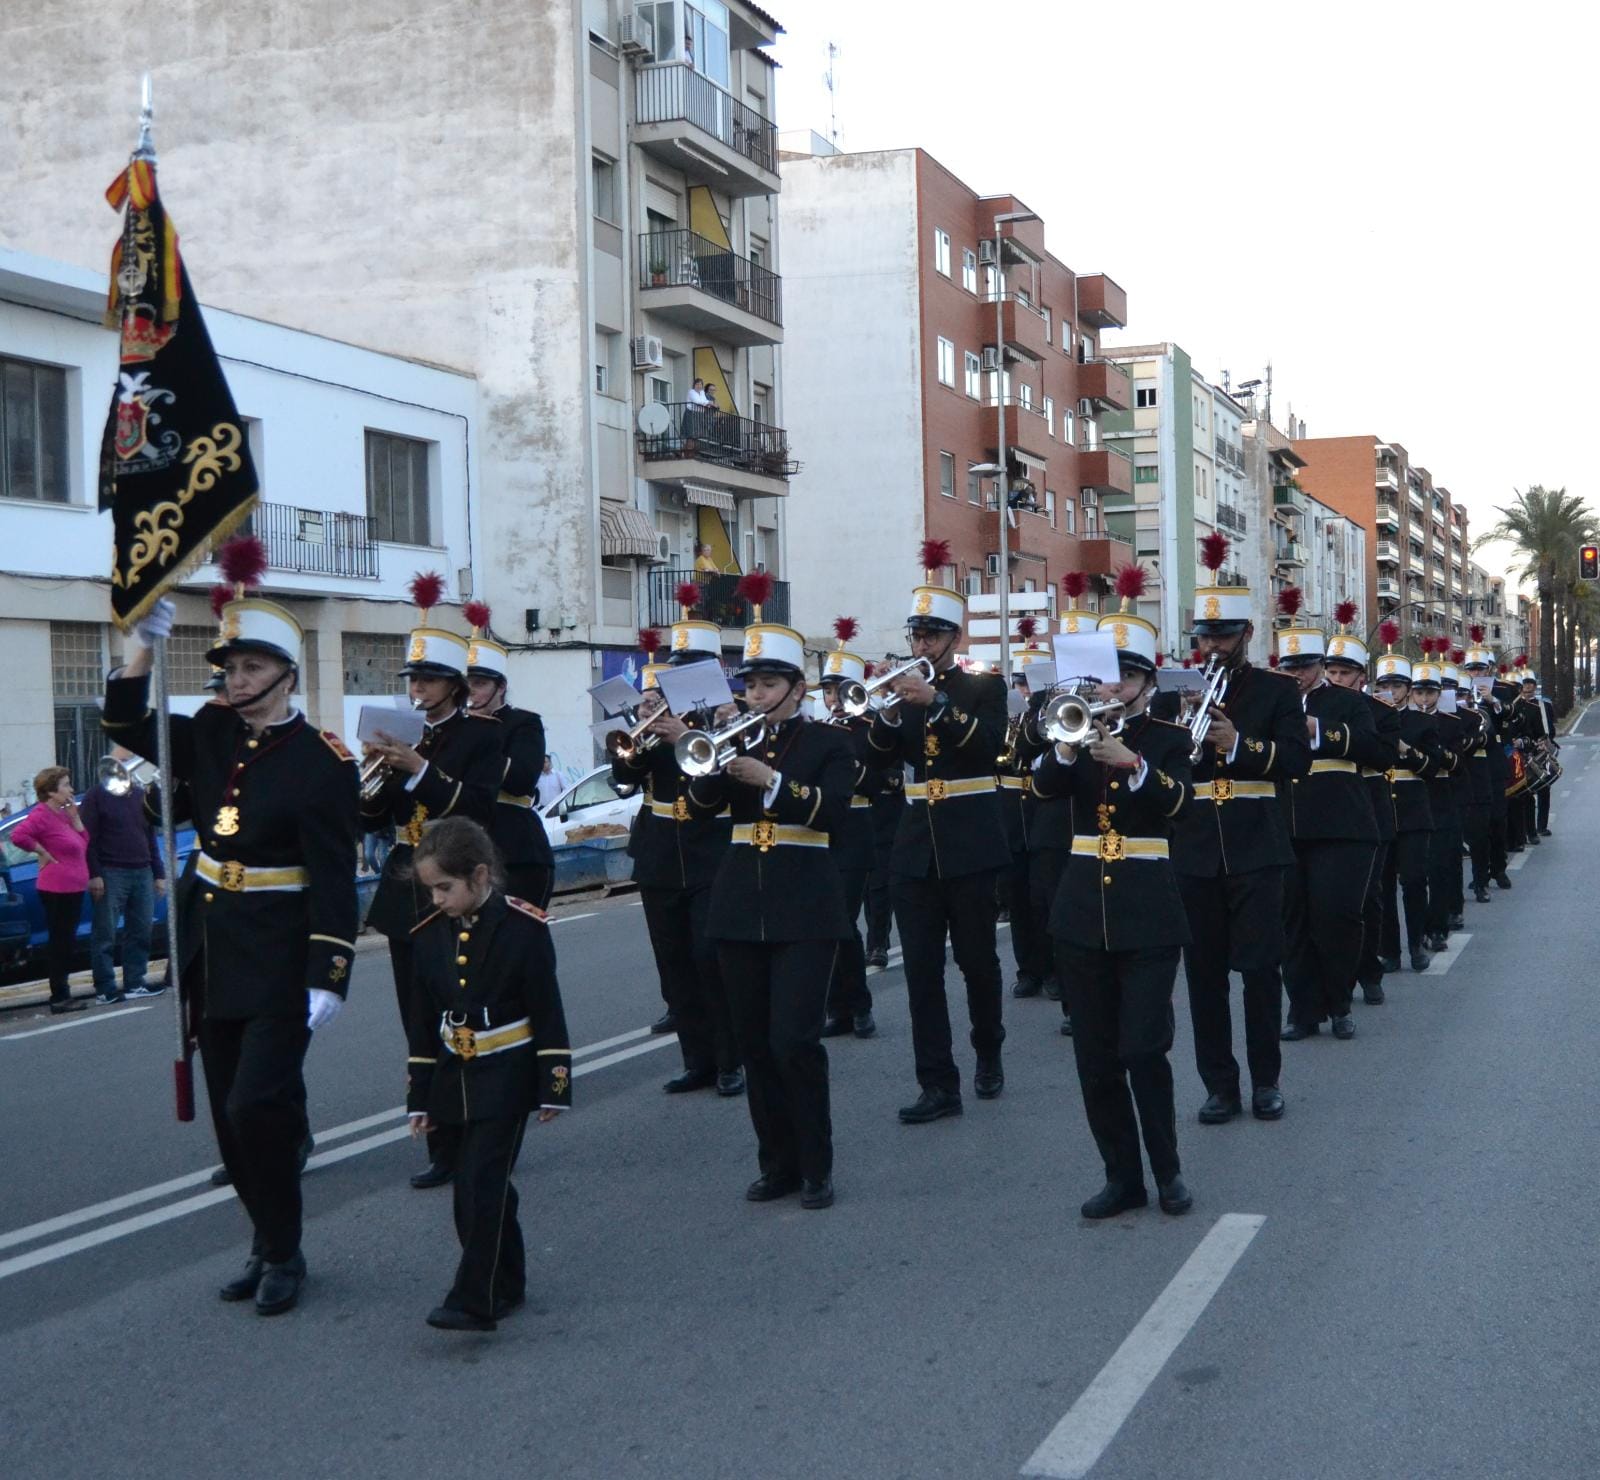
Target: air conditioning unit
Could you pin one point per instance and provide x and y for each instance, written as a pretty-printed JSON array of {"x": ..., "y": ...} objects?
[
  {"x": 663, "y": 549},
  {"x": 647, "y": 354},
  {"x": 986, "y": 251},
  {"x": 636, "y": 38},
  {"x": 1085, "y": 407},
  {"x": 991, "y": 565},
  {"x": 1090, "y": 498},
  {"x": 991, "y": 357}
]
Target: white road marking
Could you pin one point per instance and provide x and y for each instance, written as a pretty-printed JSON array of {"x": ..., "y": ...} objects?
[
  {"x": 1516, "y": 861},
  {"x": 568, "y": 919},
  {"x": 83, "y": 1022},
  {"x": 1075, "y": 1445},
  {"x": 1445, "y": 959},
  {"x": 1566, "y": 791}
]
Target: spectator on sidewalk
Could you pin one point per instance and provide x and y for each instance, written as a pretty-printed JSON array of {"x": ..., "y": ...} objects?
[
  {"x": 55, "y": 833},
  {"x": 126, "y": 877},
  {"x": 550, "y": 784}
]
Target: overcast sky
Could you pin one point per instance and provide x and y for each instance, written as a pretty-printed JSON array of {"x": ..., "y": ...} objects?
[{"x": 1391, "y": 203}]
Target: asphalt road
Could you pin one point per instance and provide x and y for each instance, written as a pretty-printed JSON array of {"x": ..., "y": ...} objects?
[{"x": 1412, "y": 1294}]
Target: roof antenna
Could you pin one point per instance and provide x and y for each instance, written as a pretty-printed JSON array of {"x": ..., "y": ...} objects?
[{"x": 832, "y": 82}]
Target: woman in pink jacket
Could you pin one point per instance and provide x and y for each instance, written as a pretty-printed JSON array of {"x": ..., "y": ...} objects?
[{"x": 54, "y": 831}]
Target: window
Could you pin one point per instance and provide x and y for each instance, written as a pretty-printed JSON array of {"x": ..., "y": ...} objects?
[
  {"x": 760, "y": 400},
  {"x": 969, "y": 271},
  {"x": 78, "y": 669},
  {"x": 1091, "y": 515},
  {"x": 974, "y": 582},
  {"x": 660, "y": 388},
  {"x": 1050, "y": 506},
  {"x": 372, "y": 662},
  {"x": 603, "y": 173},
  {"x": 1048, "y": 324},
  {"x": 1144, "y": 397},
  {"x": 947, "y": 362},
  {"x": 1066, "y": 338},
  {"x": 33, "y": 431},
  {"x": 974, "y": 375},
  {"x": 397, "y": 489},
  {"x": 1147, "y": 473},
  {"x": 1025, "y": 396},
  {"x": 1069, "y": 517},
  {"x": 1069, "y": 429},
  {"x": 941, "y": 252},
  {"x": 187, "y": 668},
  {"x": 947, "y": 474},
  {"x": 1085, "y": 349},
  {"x": 605, "y": 360},
  {"x": 1050, "y": 414},
  {"x": 974, "y": 485}
]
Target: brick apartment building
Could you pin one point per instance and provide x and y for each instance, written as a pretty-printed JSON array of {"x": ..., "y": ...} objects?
[
  {"x": 923, "y": 329},
  {"x": 1418, "y": 570}
]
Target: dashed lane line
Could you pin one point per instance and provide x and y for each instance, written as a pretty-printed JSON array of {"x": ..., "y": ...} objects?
[
  {"x": 83, "y": 1022},
  {"x": 1445, "y": 959}
]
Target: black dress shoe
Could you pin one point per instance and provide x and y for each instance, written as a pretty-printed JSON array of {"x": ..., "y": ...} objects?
[
  {"x": 690, "y": 1079},
  {"x": 1026, "y": 986},
  {"x": 1372, "y": 995},
  {"x": 221, "y": 1177},
  {"x": 1388, "y": 964},
  {"x": 1544, "y": 832},
  {"x": 863, "y": 1025},
  {"x": 1513, "y": 850},
  {"x": 1501, "y": 881},
  {"x": 1114, "y": 1198},
  {"x": 731, "y": 1083},
  {"x": 1266, "y": 1102},
  {"x": 506, "y": 1304},
  {"x": 1535, "y": 839},
  {"x": 448, "y": 1318},
  {"x": 666, "y": 1023},
  {"x": 988, "y": 1079},
  {"x": 1480, "y": 893},
  {"x": 1066, "y": 1027},
  {"x": 1052, "y": 989},
  {"x": 1219, "y": 1109},
  {"x": 770, "y": 1186},
  {"x": 1438, "y": 941},
  {"x": 244, "y": 1288},
  {"x": 1420, "y": 960},
  {"x": 1294, "y": 1032},
  {"x": 436, "y": 1175},
  {"x": 1344, "y": 1026},
  {"x": 1174, "y": 1197},
  {"x": 932, "y": 1104},
  {"x": 817, "y": 1194},
  {"x": 877, "y": 961},
  {"x": 67, "y": 1004},
  {"x": 279, "y": 1289},
  {"x": 835, "y": 1027},
  {"x": 1458, "y": 922}
]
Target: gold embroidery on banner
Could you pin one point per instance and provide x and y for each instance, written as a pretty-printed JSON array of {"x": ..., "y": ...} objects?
[{"x": 208, "y": 459}]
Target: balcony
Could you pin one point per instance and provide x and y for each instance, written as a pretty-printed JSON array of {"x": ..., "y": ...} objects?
[
  {"x": 1414, "y": 560},
  {"x": 1416, "y": 503},
  {"x": 1101, "y": 302},
  {"x": 315, "y": 542},
  {"x": 1388, "y": 552},
  {"x": 1388, "y": 478},
  {"x": 1229, "y": 517},
  {"x": 1291, "y": 552},
  {"x": 1105, "y": 469},
  {"x": 1103, "y": 555},
  {"x": 690, "y": 445},
  {"x": 1388, "y": 517},
  {"x": 1288, "y": 498},
  {"x": 701, "y": 286},
  {"x": 1026, "y": 430},
  {"x": 1388, "y": 590},
  {"x": 1022, "y": 328},
  {"x": 684, "y": 119},
  {"x": 1105, "y": 384},
  {"x": 718, "y": 601}
]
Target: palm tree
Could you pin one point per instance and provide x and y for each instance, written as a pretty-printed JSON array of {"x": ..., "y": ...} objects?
[{"x": 1546, "y": 526}]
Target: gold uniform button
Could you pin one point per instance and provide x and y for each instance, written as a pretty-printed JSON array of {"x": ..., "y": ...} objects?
[
  {"x": 253, "y": 743},
  {"x": 465, "y": 935},
  {"x": 210, "y": 897},
  {"x": 1106, "y": 879},
  {"x": 1116, "y": 786},
  {"x": 461, "y": 960},
  {"x": 1112, "y": 807},
  {"x": 463, "y": 981}
]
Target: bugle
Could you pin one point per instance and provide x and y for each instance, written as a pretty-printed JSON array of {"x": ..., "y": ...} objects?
[
  {"x": 856, "y": 698},
  {"x": 1069, "y": 714},
  {"x": 704, "y": 753},
  {"x": 1214, "y": 692},
  {"x": 115, "y": 777},
  {"x": 634, "y": 741}
]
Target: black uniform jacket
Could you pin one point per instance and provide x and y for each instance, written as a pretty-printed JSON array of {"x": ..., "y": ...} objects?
[
  {"x": 465, "y": 764},
  {"x": 778, "y": 880},
  {"x": 517, "y": 829},
  {"x": 1121, "y": 896},
  {"x": 1233, "y": 829},
  {"x": 487, "y": 1034},
  {"x": 1534, "y": 719},
  {"x": 952, "y": 824},
  {"x": 269, "y": 910},
  {"x": 852, "y": 844},
  {"x": 1048, "y": 819},
  {"x": 1427, "y": 764},
  {"x": 1332, "y": 801},
  {"x": 1469, "y": 738},
  {"x": 1387, "y": 722},
  {"x": 672, "y": 847}
]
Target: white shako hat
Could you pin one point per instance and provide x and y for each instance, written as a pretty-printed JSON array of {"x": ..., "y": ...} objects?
[
  {"x": 249, "y": 623},
  {"x": 841, "y": 664},
  {"x": 485, "y": 658},
  {"x": 1075, "y": 619},
  {"x": 1478, "y": 656},
  {"x": 432, "y": 652},
  {"x": 1297, "y": 644},
  {"x": 935, "y": 608},
  {"x": 1343, "y": 645},
  {"x": 692, "y": 639},
  {"x": 770, "y": 647},
  {"x": 1134, "y": 637},
  {"x": 1220, "y": 611}
]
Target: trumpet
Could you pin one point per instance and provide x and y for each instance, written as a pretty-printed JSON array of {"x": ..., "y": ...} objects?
[
  {"x": 115, "y": 777},
  {"x": 634, "y": 742},
  {"x": 375, "y": 773},
  {"x": 1214, "y": 692},
  {"x": 857, "y": 698},
  {"x": 1008, "y": 751},
  {"x": 1068, "y": 715},
  {"x": 704, "y": 753}
]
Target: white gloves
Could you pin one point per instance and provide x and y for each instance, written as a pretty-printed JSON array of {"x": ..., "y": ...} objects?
[
  {"x": 324, "y": 1007},
  {"x": 155, "y": 624}
]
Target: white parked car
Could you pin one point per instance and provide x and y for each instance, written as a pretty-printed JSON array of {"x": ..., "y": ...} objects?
[{"x": 591, "y": 801}]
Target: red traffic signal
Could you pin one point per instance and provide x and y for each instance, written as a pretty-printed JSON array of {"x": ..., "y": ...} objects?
[{"x": 1589, "y": 562}]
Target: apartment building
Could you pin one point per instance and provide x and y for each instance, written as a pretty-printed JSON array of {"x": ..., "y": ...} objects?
[
  {"x": 1504, "y": 618},
  {"x": 1417, "y": 536},
  {"x": 366, "y": 464},
  {"x": 933, "y": 338},
  {"x": 575, "y": 202}
]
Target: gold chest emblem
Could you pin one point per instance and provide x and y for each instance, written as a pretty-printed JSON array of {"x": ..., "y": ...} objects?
[
  {"x": 930, "y": 746},
  {"x": 924, "y": 603},
  {"x": 1213, "y": 609},
  {"x": 227, "y": 823},
  {"x": 418, "y": 649},
  {"x": 1292, "y": 645},
  {"x": 1119, "y": 634},
  {"x": 680, "y": 639},
  {"x": 835, "y": 662},
  {"x": 752, "y": 645}
]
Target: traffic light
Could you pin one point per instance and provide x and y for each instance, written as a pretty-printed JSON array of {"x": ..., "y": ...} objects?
[{"x": 1589, "y": 562}]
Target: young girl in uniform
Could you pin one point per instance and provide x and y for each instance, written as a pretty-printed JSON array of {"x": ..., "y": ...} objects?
[{"x": 488, "y": 1044}]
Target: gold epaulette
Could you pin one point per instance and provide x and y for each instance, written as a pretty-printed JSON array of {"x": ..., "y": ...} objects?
[
  {"x": 336, "y": 745},
  {"x": 426, "y": 920},
  {"x": 531, "y": 910}
]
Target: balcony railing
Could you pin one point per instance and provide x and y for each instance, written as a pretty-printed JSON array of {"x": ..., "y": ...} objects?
[
  {"x": 718, "y": 601},
  {"x": 685, "y": 259},
  {"x": 1230, "y": 518},
  {"x": 669, "y": 91},
  {"x": 721, "y": 438},
  {"x": 315, "y": 542}
]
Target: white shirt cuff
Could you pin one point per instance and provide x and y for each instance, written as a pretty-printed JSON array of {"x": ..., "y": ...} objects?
[
  {"x": 1139, "y": 775},
  {"x": 770, "y": 795},
  {"x": 411, "y": 782},
  {"x": 1233, "y": 749},
  {"x": 1316, "y": 733}
]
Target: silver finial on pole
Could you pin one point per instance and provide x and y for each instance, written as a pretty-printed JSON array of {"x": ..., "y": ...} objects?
[{"x": 146, "y": 147}]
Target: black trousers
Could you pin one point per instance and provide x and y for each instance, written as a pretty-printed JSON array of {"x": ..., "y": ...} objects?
[
  {"x": 1542, "y": 808},
  {"x": 1235, "y": 923},
  {"x": 1498, "y": 839},
  {"x": 1475, "y": 824},
  {"x": 1322, "y": 899},
  {"x": 531, "y": 881},
  {"x": 1030, "y": 939},
  {"x": 1045, "y": 868},
  {"x": 925, "y": 910},
  {"x": 1407, "y": 874},
  {"x": 493, "y": 1267},
  {"x": 1376, "y": 908},
  {"x": 880, "y": 908},
  {"x": 777, "y": 991},
  {"x": 258, "y": 1107},
  {"x": 1121, "y": 1003},
  {"x": 1443, "y": 848},
  {"x": 691, "y": 980},
  {"x": 442, "y": 1139},
  {"x": 1518, "y": 810},
  {"x": 61, "y": 912},
  {"x": 847, "y": 986}
]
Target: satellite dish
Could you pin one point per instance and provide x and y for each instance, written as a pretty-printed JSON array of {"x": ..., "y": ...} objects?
[{"x": 654, "y": 419}]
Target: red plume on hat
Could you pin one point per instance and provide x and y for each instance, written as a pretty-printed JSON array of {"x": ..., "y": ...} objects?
[
  {"x": 756, "y": 588},
  {"x": 1074, "y": 584},
  {"x": 1505, "y": 668},
  {"x": 426, "y": 587},
  {"x": 1458, "y": 655},
  {"x": 1389, "y": 632},
  {"x": 844, "y": 628},
  {"x": 1213, "y": 550},
  {"x": 1272, "y": 660},
  {"x": 687, "y": 595},
  {"x": 243, "y": 561},
  {"x": 477, "y": 614},
  {"x": 221, "y": 595},
  {"x": 1027, "y": 629},
  {"x": 935, "y": 555},
  {"x": 1475, "y": 632},
  {"x": 1289, "y": 600},
  {"x": 1130, "y": 584},
  {"x": 1345, "y": 613},
  {"x": 1161, "y": 659},
  {"x": 1522, "y": 660},
  {"x": 649, "y": 641}
]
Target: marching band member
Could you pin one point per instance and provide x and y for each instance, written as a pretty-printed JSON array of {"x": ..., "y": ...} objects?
[
  {"x": 849, "y": 1000},
  {"x": 488, "y": 1047},
  {"x": 517, "y": 829},
  {"x": 454, "y": 770},
  {"x": 1119, "y": 921},
  {"x": 1475, "y": 721},
  {"x": 1449, "y": 794},
  {"x": 1491, "y": 706},
  {"x": 1535, "y": 723},
  {"x": 1457, "y": 732},
  {"x": 950, "y": 843},
  {"x": 676, "y": 854},
  {"x": 268, "y": 915},
  {"x": 778, "y": 910},
  {"x": 1230, "y": 852},
  {"x": 1332, "y": 832}
]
